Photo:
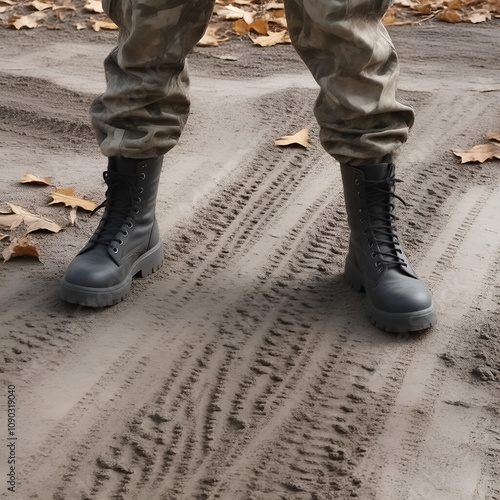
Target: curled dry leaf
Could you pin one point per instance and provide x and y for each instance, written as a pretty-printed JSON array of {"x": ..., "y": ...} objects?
[
  {"x": 36, "y": 4},
  {"x": 94, "y": 6},
  {"x": 229, "y": 12},
  {"x": 19, "y": 215},
  {"x": 3, "y": 236},
  {"x": 67, "y": 196},
  {"x": 210, "y": 38},
  {"x": 61, "y": 11},
  {"x": 9, "y": 2},
  {"x": 29, "y": 21},
  {"x": 273, "y": 38},
  {"x": 480, "y": 153},
  {"x": 301, "y": 138},
  {"x": 20, "y": 248},
  {"x": 260, "y": 26},
  {"x": 98, "y": 25},
  {"x": 493, "y": 136},
  {"x": 33, "y": 179}
]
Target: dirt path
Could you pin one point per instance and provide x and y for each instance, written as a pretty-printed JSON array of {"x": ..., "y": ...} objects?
[{"x": 245, "y": 368}]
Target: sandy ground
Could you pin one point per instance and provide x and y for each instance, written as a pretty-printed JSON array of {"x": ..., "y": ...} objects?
[{"x": 246, "y": 368}]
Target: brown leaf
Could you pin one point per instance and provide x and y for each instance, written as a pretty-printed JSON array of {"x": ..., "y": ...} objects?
[
  {"x": 8, "y": 2},
  {"x": 62, "y": 11},
  {"x": 300, "y": 138},
  {"x": 36, "y": 4},
  {"x": 32, "y": 221},
  {"x": 241, "y": 27},
  {"x": 493, "y": 136},
  {"x": 480, "y": 153},
  {"x": 33, "y": 179},
  {"x": 273, "y": 38},
  {"x": 260, "y": 26},
  {"x": 94, "y": 6},
  {"x": 99, "y": 25},
  {"x": 67, "y": 196},
  {"x": 20, "y": 248},
  {"x": 29, "y": 21},
  {"x": 81, "y": 26},
  {"x": 210, "y": 37}
]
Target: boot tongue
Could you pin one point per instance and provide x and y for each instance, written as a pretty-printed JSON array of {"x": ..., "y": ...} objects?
[{"x": 378, "y": 171}]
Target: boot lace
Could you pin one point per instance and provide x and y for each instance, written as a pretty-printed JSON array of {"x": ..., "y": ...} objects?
[
  {"x": 119, "y": 206},
  {"x": 379, "y": 209}
]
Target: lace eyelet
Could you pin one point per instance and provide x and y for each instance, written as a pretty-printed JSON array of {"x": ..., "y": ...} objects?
[
  {"x": 125, "y": 233},
  {"x": 357, "y": 182},
  {"x": 120, "y": 242},
  {"x": 374, "y": 255},
  {"x": 141, "y": 190},
  {"x": 138, "y": 200},
  {"x": 380, "y": 269},
  {"x": 115, "y": 250},
  {"x": 136, "y": 211},
  {"x": 143, "y": 176},
  {"x": 129, "y": 225},
  {"x": 370, "y": 245}
]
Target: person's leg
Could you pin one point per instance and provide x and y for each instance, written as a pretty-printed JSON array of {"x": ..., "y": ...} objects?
[
  {"x": 138, "y": 119},
  {"x": 362, "y": 125}
]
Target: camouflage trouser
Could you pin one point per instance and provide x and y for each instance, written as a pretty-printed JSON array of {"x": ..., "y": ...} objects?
[{"x": 347, "y": 49}]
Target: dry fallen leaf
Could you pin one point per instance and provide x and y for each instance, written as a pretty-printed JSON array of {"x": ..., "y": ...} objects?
[
  {"x": 98, "y": 25},
  {"x": 9, "y": 2},
  {"x": 33, "y": 179},
  {"x": 3, "y": 236},
  {"x": 67, "y": 196},
  {"x": 20, "y": 248},
  {"x": 273, "y": 38},
  {"x": 480, "y": 153},
  {"x": 229, "y": 12},
  {"x": 260, "y": 26},
  {"x": 493, "y": 136},
  {"x": 36, "y": 4},
  {"x": 61, "y": 11},
  {"x": 275, "y": 6},
  {"x": 19, "y": 215},
  {"x": 210, "y": 38},
  {"x": 29, "y": 21},
  {"x": 81, "y": 26},
  {"x": 94, "y": 6},
  {"x": 300, "y": 138}
]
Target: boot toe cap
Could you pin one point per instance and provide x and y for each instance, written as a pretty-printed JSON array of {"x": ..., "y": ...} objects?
[
  {"x": 402, "y": 295},
  {"x": 93, "y": 270}
]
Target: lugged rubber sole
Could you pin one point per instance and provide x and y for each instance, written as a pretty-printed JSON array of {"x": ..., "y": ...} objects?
[
  {"x": 413, "y": 321},
  {"x": 145, "y": 265}
]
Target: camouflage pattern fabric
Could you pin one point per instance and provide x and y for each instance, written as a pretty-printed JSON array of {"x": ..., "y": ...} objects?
[{"x": 343, "y": 42}]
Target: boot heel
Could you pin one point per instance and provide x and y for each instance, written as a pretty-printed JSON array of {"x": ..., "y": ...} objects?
[
  {"x": 151, "y": 261},
  {"x": 352, "y": 276}
]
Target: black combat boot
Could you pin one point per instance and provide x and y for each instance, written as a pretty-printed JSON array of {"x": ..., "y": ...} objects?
[
  {"x": 396, "y": 299},
  {"x": 126, "y": 243}
]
